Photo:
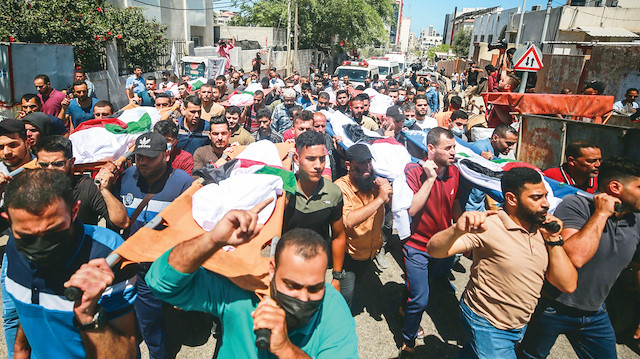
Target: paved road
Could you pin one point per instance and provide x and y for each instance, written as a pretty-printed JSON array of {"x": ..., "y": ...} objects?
[{"x": 379, "y": 321}]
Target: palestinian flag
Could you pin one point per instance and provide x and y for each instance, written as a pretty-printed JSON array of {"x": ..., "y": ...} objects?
[
  {"x": 108, "y": 138},
  {"x": 195, "y": 84},
  {"x": 239, "y": 184}
]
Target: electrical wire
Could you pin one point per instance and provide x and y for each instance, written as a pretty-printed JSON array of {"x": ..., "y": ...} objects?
[{"x": 217, "y": 4}]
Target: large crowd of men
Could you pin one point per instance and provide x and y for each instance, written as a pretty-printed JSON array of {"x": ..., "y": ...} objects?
[{"x": 534, "y": 275}]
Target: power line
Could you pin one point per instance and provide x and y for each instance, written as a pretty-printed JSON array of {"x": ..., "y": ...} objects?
[{"x": 216, "y": 5}]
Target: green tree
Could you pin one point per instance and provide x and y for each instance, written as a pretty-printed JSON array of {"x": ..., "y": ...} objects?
[
  {"x": 461, "y": 43},
  {"x": 347, "y": 24},
  {"x": 431, "y": 53},
  {"x": 88, "y": 25}
]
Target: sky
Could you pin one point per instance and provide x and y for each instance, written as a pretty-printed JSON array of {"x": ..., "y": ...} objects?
[{"x": 432, "y": 12}]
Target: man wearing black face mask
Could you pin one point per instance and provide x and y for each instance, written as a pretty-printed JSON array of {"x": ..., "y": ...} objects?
[
  {"x": 47, "y": 246},
  {"x": 307, "y": 317}
]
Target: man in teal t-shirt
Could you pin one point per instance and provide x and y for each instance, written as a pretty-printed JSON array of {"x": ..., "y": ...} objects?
[{"x": 307, "y": 317}]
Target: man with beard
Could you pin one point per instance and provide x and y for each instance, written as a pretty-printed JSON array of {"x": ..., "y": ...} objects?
[
  {"x": 580, "y": 168},
  {"x": 79, "y": 109},
  {"x": 194, "y": 130},
  {"x": 14, "y": 149},
  {"x": 238, "y": 134},
  {"x": 323, "y": 103},
  {"x": 357, "y": 113},
  {"x": 601, "y": 241},
  {"x": 265, "y": 132},
  {"x": 50, "y": 249},
  {"x": 210, "y": 96},
  {"x": 96, "y": 202},
  {"x": 146, "y": 189},
  {"x": 307, "y": 318},
  {"x": 221, "y": 83},
  {"x": 50, "y": 98},
  {"x": 281, "y": 117},
  {"x": 30, "y": 103},
  {"x": 513, "y": 251},
  {"x": 219, "y": 135},
  {"x": 179, "y": 159},
  {"x": 320, "y": 125},
  {"x": 363, "y": 214},
  {"x": 434, "y": 183},
  {"x": 423, "y": 118},
  {"x": 249, "y": 115}
]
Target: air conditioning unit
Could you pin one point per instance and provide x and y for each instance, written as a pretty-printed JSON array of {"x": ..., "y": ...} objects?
[{"x": 535, "y": 8}]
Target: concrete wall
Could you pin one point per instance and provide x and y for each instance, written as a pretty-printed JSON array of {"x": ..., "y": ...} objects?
[
  {"x": 266, "y": 36},
  {"x": 490, "y": 25},
  {"x": 617, "y": 75}
]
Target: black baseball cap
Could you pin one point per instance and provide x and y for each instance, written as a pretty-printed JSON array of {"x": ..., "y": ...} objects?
[
  {"x": 150, "y": 144},
  {"x": 396, "y": 113},
  {"x": 11, "y": 125},
  {"x": 359, "y": 153}
]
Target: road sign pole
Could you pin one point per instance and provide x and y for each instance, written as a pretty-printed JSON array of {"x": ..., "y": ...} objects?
[{"x": 523, "y": 84}]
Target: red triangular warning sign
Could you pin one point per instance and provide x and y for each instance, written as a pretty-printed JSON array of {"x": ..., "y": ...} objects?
[{"x": 530, "y": 61}]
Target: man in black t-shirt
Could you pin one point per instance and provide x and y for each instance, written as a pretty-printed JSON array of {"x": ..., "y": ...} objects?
[
  {"x": 472, "y": 81},
  {"x": 96, "y": 202}
]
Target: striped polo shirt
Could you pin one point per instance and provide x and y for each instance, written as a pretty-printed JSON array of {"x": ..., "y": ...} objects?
[
  {"x": 190, "y": 141},
  {"x": 45, "y": 314}
]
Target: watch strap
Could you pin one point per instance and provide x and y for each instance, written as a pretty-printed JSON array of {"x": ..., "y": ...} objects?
[
  {"x": 559, "y": 242},
  {"x": 98, "y": 320}
]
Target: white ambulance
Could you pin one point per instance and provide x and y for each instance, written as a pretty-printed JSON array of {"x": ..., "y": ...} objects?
[
  {"x": 387, "y": 68},
  {"x": 357, "y": 71}
]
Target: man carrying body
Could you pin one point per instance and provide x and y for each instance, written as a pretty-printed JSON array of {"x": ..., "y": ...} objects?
[
  {"x": 219, "y": 135},
  {"x": 334, "y": 87},
  {"x": 513, "y": 252},
  {"x": 600, "y": 242},
  {"x": 50, "y": 98},
  {"x": 221, "y": 83},
  {"x": 135, "y": 83},
  {"x": 146, "y": 189},
  {"x": 178, "y": 158},
  {"x": 363, "y": 214},
  {"x": 235, "y": 83},
  {"x": 193, "y": 132},
  {"x": 305, "y": 100},
  {"x": 357, "y": 113},
  {"x": 458, "y": 124},
  {"x": 238, "y": 134},
  {"x": 210, "y": 96},
  {"x": 30, "y": 103},
  {"x": 307, "y": 318},
  {"x": 395, "y": 123},
  {"x": 580, "y": 168},
  {"x": 434, "y": 206},
  {"x": 148, "y": 96},
  {"x": 317, "y": 203},
  {"x": 79, "y": 109},
  {"x": 342, "y": 102},
  {"x": 264, "y": 132},
  {"x": 48, "y": 250},
  {"x": 323, "y": 103}
]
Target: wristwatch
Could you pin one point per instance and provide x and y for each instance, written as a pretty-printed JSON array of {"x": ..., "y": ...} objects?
[
  {"x": 339, "y": 275},
  {"x": 99, "y": 319},
  {"x": 559, "y": 242}
]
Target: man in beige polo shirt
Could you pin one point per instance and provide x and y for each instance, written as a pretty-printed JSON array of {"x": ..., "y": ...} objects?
[
  {"x": 513, "y": 251},
  {"x": 210, "y": 96},
  {"x": 364, "y": 198}
]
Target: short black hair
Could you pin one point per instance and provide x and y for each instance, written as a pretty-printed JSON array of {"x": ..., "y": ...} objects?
[
  {"x": 81, "y": 71},
  {"x": 207, "y": 85},
  {"x": 166, "y": 128},
  {"x": 259, "y": 93},
  {"x": 264, "y": 112},
  {"x": 219, "y": 120},
  {"x": 308, "y": 139},
  {"x": 362, "y": 96},
  {"x": 305, "y": 86},
  {"x": 29, "y": 96},
  {"x": 455, "y": 102},
  {"x": 104, "y": 103},
  {"x": 420, "y": 97},
  {"x": 151, "y": 78},
  {"x": 303, "y": 115},
  {"x": 433, "y": 137},
  {"x": 307, "y": 243},
  {"x": 79, "y": 83},
  {"x": 631, "y": 89},
  {"x": 221, "y": 77},
  {"x": 232, "y": 110},
  {"x": 458, "y": 114},
  {"x": 324, "y": 95},
  {"x": 616, "y": 169},
  {"x": 192, "y": 99},
  {"x": 34, "y": 190},
  {"x": 42, "y": 77},
  {"x": 56, "y": 143},
  {"x": 343, "y": 91},
  {"x": 163, "y": 95},
  {"x": 514, "y": 180},
  {"x": 574, "y": 149},
  {"x": 502, "y": 129}
]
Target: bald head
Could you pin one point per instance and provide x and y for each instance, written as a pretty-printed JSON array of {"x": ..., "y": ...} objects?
[{"x": 319, "y": 122}]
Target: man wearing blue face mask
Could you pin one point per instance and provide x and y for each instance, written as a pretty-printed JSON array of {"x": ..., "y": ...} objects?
[
  {"x": 458, "y": 124},
  {"x": 307, "y": 317}
]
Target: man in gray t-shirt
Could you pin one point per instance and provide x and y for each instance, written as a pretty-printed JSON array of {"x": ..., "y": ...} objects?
[{"x": 600, "y": 242}]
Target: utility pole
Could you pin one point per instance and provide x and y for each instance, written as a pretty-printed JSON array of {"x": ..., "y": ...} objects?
[
  {"x": 524, "y": 4},
  {"x": 288, "y": 62},
  {"x": 543, "y": 36},
  {"x": 295, "y": 35}
]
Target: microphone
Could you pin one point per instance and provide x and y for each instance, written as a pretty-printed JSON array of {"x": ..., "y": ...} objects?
[
  {"x": 551, "y": 226},
  {"x": 263, "y": 338}
]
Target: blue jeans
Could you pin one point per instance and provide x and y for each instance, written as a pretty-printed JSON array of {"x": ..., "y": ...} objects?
[
  {"x": 421, "y": 269},
  {"x": 10, "y": 320},
  {"x": 590, "y": 333},
  {"x": 485, "y": 340}
]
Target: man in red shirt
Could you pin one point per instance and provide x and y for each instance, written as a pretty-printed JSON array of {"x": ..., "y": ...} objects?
[
  {"x": 51, "y": 98},
  {"x": 179, "y": 159},
  {"x": 434, "y": 206},
  {"x": 581, "y": 167}
]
